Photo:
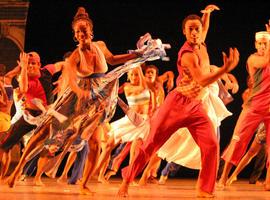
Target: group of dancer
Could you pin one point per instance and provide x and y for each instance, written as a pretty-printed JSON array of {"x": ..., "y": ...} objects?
[{"x": 180, "y": 125}]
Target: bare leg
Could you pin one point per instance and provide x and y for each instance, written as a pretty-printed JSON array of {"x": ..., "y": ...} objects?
[
  {"x": 123, "y": 190},
  {"x": 252, "y": 152},
  {"x": 101, "y": 177},
  {"x": 134, "y": 145},
  {"x": 42, "y": 161},
  {"x": 224, "y": 176},
  {"x": 31, "y": 145},
  {"x": 104, "y": 156},
  {"x": 71, "y": 158},
  {"x": 118, "y": 160},
  {"x": 6, "y": 158},
  {"x": 147, "y": 172},
  {"x": 94, "y": 146}
]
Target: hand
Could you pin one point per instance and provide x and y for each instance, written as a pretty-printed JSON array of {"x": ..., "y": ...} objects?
[
  {"x": 228, "y": 85},
  {"x": 210, "y": 8},
  {"x": 235, "y": 88},
  {"x": 23, "y": 62},
  {"x": 268, "y": 26},
  {"x": 231, "y": 62},
  {"x": 169, "y": 85}
]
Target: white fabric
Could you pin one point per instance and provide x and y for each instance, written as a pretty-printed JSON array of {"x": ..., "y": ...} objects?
[
  {"x": 123, "y": 129},
  {"x": 261, "y": 35},
  {"x": 181, "y": 147}
]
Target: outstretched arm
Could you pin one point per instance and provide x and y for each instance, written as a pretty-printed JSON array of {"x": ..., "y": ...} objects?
[
  {"x": 11, "y": 74},
  {"x": 114, "y": 59}
]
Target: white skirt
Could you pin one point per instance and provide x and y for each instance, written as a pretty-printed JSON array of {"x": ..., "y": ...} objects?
[
  {"x": 124, "y": 130},
  {"x": 181, "y": 147}
]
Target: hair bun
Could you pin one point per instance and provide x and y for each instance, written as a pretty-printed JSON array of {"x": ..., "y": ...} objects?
[{"x": 82, "y": 15}]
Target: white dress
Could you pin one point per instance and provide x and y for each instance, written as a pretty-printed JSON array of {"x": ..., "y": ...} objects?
[
  {"x": 124, "y": 130},
  {"x": 181, "y": 147}
]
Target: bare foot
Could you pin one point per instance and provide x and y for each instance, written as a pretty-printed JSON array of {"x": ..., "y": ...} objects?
[
  {"x": 142, "y": 182},
  {"x": 203, "y": 194},
  {"x": 123, "y": 190},
  {"x": 259, "y": 183},
  {"x": 38, "y": 182},
  {"x": 267, "y": 187},
  {"x": 152, "y": 180},
  {"x": 162, "y": 180},
  {"x": 84, "y": 190},
  {"x": 133, "y": 183},
  {"x": 221, "y": 184},
  {"x": 62, "y": 179},
  {"x": 22, "y": 177},
  {"x": 109, "y": 174},
  {"x": 231, "y": 180},
  {"x": 11, "y": 181},
  {"x": 103, "y": 180}
]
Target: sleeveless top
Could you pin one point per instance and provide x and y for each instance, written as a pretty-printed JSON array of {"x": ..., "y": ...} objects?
[
  {"x": 41, "y": 87},
  {"x": 260, "y": 91},
  {"x": 139, "y": 99},
  {"x": 185, "y": 83}
]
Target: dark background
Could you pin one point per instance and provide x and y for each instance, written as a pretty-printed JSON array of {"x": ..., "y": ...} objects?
[{"x": 121, "y": 23}]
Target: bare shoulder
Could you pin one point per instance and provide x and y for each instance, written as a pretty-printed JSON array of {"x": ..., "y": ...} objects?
[
  {"x": 189, "y": 59},
  {"x": 100, "y": 43}
]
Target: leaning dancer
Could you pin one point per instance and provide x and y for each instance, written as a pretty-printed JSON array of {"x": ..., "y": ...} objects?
[
  {"x": 193, "y": 65},
  {"x": 255, "y": 109},
  {"x": 93, "y": 99}
]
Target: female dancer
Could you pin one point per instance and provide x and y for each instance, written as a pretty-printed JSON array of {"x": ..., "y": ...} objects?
[{"x": 155, "y": 84}]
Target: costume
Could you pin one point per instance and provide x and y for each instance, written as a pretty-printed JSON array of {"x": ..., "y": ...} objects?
[
  {"x": 181, "y": 147},
  {"x": 181, "y": 109},
  {"x": 39, "y": 87},
  {"x": 123, "y": 129},
  {"x": 255, "y": 111}
]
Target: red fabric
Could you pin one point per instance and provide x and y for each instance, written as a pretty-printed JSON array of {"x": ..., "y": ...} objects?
[{"x": 176, "y": 112}]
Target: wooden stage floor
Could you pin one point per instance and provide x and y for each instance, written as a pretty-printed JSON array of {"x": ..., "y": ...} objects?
[{"x": 174, "y": 189}]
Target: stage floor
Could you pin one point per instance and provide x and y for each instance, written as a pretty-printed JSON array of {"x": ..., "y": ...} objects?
[{"x": 174, "y": 189}]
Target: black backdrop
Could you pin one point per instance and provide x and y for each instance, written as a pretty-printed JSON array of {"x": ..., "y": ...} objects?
[{"x": 121, "y": 23}]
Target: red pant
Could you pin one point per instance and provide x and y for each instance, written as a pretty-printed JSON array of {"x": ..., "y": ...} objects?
[
  {"x": 246, "y": 126},
  {"x": 176, "y": 112}
]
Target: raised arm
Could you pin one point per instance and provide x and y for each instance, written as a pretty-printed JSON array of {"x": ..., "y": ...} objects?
[
  {"x": 206, "y": 19},
  {"x": 11, "y": 74},
  {"x": 169, "y": 77},
  {"x": 23, "y": 80}
]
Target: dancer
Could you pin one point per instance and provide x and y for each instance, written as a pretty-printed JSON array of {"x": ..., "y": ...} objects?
[
  {"x": 122, "y": 130},
  {"x": 155, "y": 84},
  {"x": 257, "y": 144},
  {"x": 255, "y": 109},
  {"x": 85, "y": 110},
  {"x": 194, "y": 68}
]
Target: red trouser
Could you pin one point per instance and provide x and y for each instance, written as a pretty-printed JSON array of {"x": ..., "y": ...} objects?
[
  {"x": 245, "y": 128},
  {"x": 176, "y": 112}
]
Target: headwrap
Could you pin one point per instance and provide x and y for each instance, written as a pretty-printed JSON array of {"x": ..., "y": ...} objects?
[{"x": 261, "y": 35}]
